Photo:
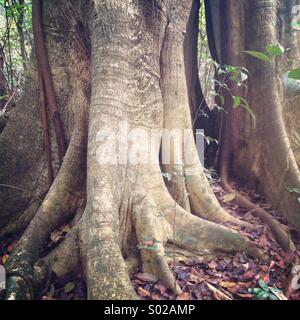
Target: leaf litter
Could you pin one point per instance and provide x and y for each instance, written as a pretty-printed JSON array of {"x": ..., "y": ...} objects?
[{"x": 238, "y": 277}]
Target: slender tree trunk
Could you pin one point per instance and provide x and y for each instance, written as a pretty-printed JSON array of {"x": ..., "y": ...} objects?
[{"x": 20, "y": 29}]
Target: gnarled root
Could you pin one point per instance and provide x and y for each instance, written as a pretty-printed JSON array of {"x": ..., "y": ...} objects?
[
  {"x": 152, "y": 230},
  {"x": 281, "y": 236},
  {"x": 157, "y": 225},
  {"x": 58, "y": 206},
  {"x": 65, "y": 258}
]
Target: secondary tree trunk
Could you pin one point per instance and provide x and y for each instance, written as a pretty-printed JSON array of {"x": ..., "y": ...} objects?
[
  {"x": 249, "y": 153},
  {"x": 289, "y": 36}
]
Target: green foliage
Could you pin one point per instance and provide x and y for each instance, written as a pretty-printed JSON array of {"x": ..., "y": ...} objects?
[
  {"x": 258, "y": 55},
  {"x": 211, "y": 175},
  {"x": 272, "y": 50},
  {"x": 264, "y": 292},
  {"x": 15, "y": 43},
  {"x": 241, "y": 102},
  {"x": 208, "y": 139},
  {"x": 294, "y": 74},
  {"x": 70, "y": 286},
  {"x": 275, "y": 50},
  {"x": 236, "y": 102},
  {"x": 295, "y": 190},
  {"x": 238, "y": 75}
]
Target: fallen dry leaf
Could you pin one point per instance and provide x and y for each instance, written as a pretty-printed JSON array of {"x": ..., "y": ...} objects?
[
  {"x": 213, "y": 265},
  {"x": 11, "y": 247},
  {"x": 143, "y": 293},
  {"x": 66, "y": 228},
  {"x": 234, "y": 289},
  {"x": 5, "y": 258},
  {"x": 229, "y": 197},
  {"x": 280, "y": 264},
  {"x": 218, "y": 294},
  {"x": 266, "y": 278},
  {"x": 147, "y": 277},
  {"x": 55, "y": 236},
  {"x": 263, "y": 241},
  {"x": 148, "y": 243},
  {"x": 264, "y": 268},
  {"x": 225, "y": 284},
  {"x": 184, "y": 296},
  {"x": 246, "y": 285},
  {"x": 245, "y": 295},
  {"x": 249, "y": 275}
]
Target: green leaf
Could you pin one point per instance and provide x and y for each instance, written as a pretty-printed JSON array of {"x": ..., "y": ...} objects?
[
  {"x": 294, "y": 74},
  {"x": 275, "y": 50},
  {"x": 241, "y": 102},
  {"x": 236, "y": 101},
  {"x": 246, "y": 106},
  {"x": 152, "y": 248},
  {"x": 273, "y": 297},
  {"x": 257, "y": 290},
  {"x": 295, "y": 190},
  {"x": 258, "y": 55},
  {"x": 263, "y": 285},
  {"x": 252, "y": 114},
  {"x": 230, "y": 68},
  {"x": 222, "y": 100},
  {"x": 265, "y": 295},
  {"x": 69, "y": 287}
]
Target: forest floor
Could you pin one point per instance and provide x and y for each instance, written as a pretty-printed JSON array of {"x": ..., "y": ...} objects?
[{"x": 223, "y": 278}]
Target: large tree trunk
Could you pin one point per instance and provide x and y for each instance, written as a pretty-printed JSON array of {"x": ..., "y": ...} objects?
[
  {"x": 249, "y": 153},
  {"x": 289, "y": 36},
  {"x": 23, "y": 175},
  {"x": 138, "y": 80}
]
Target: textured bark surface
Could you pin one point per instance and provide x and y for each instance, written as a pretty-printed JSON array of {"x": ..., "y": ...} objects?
[
  {"x": 22, "y": 157},
  {"x": 138, "y": 57},
  {"x": 129, "y": 204},
  {"x": 289, "y": 36},
  {"x": 250, "y": 152}
]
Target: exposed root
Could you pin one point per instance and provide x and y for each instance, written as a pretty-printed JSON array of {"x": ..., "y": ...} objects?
[
  {"x": 168, "y": 223},
  {"x": 280, "y": 235},
  {"x": 58, "y": 206},
  {"x": 151, "y": 239},
  {"x": 205, "y": 205},
  {"x": 65, "y": 258},
  {"x": 204, "y": 237},
  {"x": 104, "y": 267}
]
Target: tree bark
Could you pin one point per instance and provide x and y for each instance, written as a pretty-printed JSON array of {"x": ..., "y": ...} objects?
[
  {"x": 248, "y": 153},
  {"x": 138, "y": 75},
  {"x": 130, "y": 63}
]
